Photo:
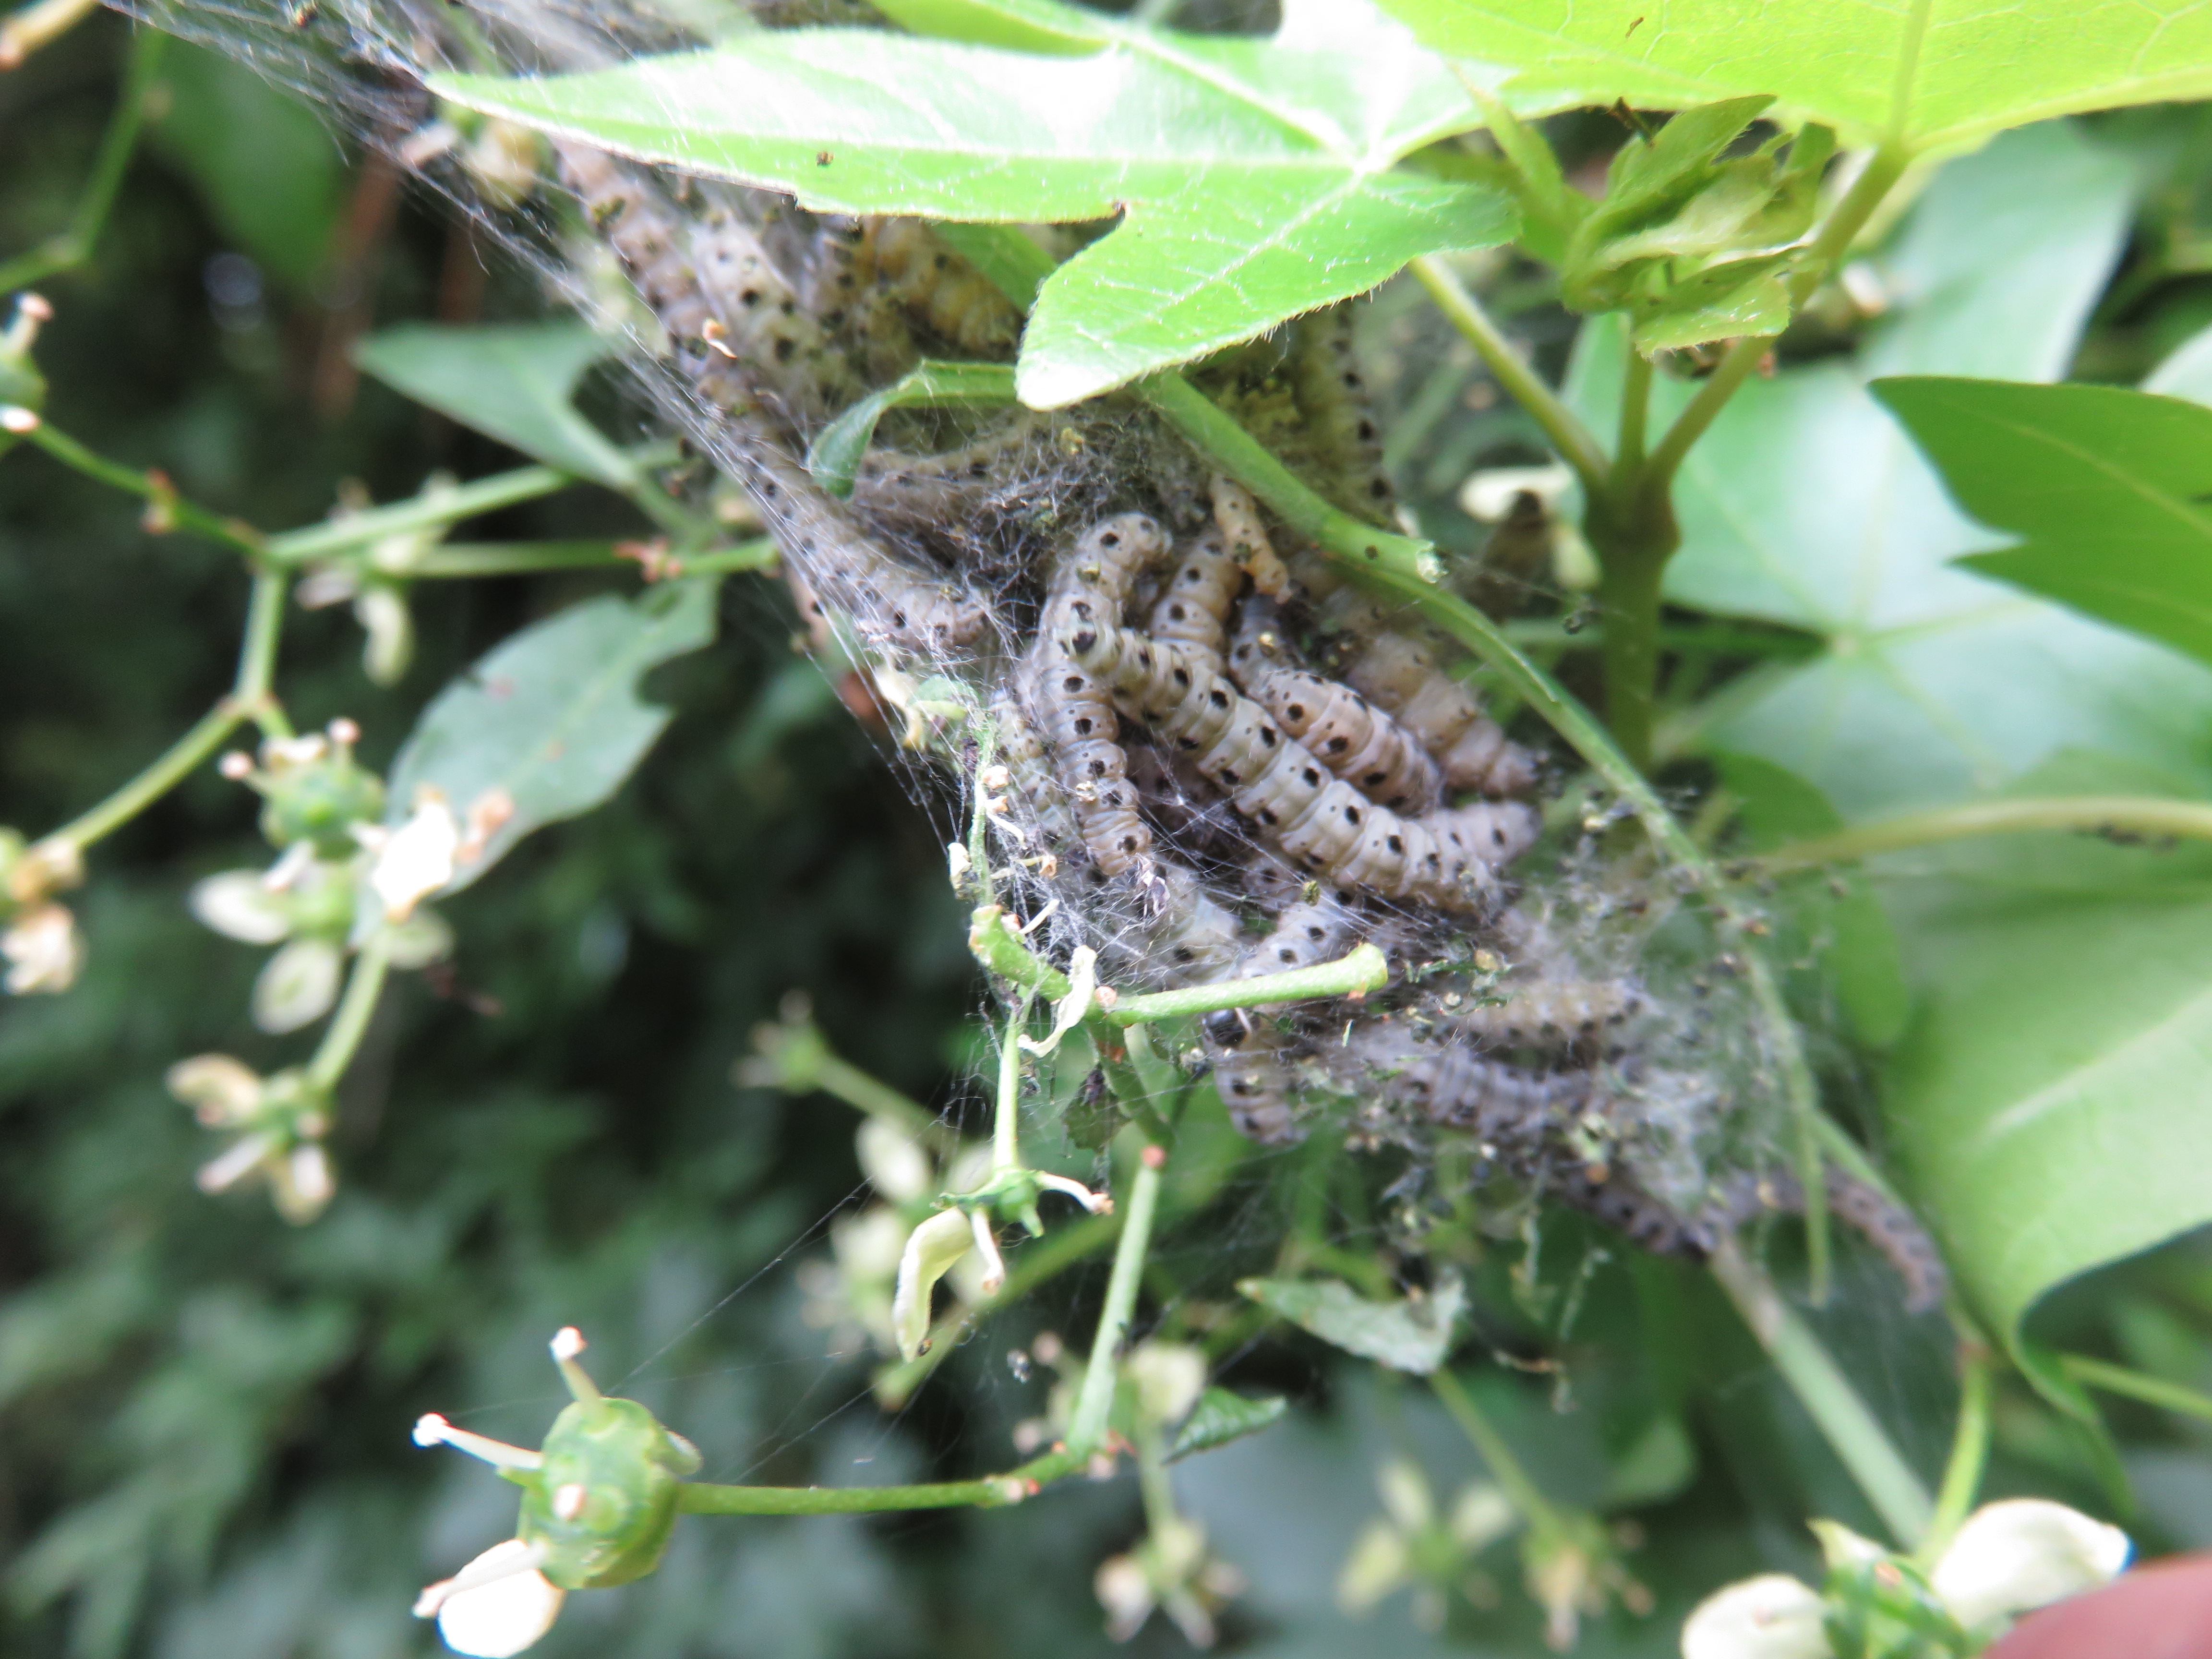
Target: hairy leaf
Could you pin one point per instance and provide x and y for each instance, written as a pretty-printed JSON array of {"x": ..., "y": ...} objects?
[
  {"x": 511, "y": 381},
  {"x": 1806, "y": 504},
  {"x": 550, "y": 719},
  {"x": 834, "y": 455},
  {"x": 1934, "y": 76},
  {"x": 2107, "y": 486},
  {"x": 1409, "y": 1334},
  {"x": 1255, "y": 179},
  {"x": 1223, "y": 1415}
]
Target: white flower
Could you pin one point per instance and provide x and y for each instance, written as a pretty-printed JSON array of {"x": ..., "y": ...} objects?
[
  {"x": 222, "y": 1092},
  {"x": 893, "y": 1161},
  {"x": 43, "y": 950},
  {"x": 931, "y": 1250},
  {"x": 298, "y": 985},
  {"x": 1379, "y": 1564},
  {"x": 417, "y": 859},
  {"x": 497, "y": 1605},
  {"x": 1772, "y": 1616},
  {"x": 2024, "y": 1553},
  {"x": 1168, "y": 1378},
  {"x": 241, "y": 904},
  {"x": 1490, "y": 494}
]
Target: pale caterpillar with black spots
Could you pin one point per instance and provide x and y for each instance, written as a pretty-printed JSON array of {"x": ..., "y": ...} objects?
[{"x": 1250, "y": 1051}]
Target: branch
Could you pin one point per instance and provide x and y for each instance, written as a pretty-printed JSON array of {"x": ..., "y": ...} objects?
[
  {"x": 991, "y": 1491},
  {"x": 25, "y": 32},
  {"x": 167, "y": 510},
  {"x": 2148, "y": 816},
  {"x": 1094, "y": 1404}
]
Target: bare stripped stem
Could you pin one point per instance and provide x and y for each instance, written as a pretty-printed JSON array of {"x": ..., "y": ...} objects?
[
  {"x": 2134, "y": 1385},
  {"x": 991, "y": 1491},
  {"x": 2130, "y": 817},
  {"x": 1095, "y": 1403},
  {"x": 167, "y": 509},
  {"x": 347, "y": 1028},
  {"x": 1497, "y": 1451},
  {"x": 1006, "y": 1126},
  {"x": 1858, "y": 1439}
]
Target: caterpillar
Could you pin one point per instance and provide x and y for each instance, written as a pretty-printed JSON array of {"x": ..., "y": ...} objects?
[
  {"x": 1551, "y": 1013},
  {"x": 1318, "y": 821},
  {"x": 1194, "y": 609},
  {"x": 1237, "y": 517},
  {"x": 1248, "y": 1051},
  {"x": 1075, "y": 711},
  {"x": 889, "y": 602},
  {"x": 1200, "y": 937},
  {"x": 1354, "y": 739},
  {"x": 1021, "y": 750},
  {"x": 1888, "y": 1226},
  {"x": 1257, "y": 645},
  {"x": 1471, "y": 749},
  {"x": 937, "y": 289},
  {"x": 1455, "y": 1088},
  {"x": 1332, "y": 395}
]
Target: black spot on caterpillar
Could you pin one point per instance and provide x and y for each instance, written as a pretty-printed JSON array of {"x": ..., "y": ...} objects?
[
  {"x": 1559, "y": 1014},
  {"x": 1252, "y": 1074},
  {"x": 1340, "y": 419},
  {"x": 1073, "y": 708},
  {"x": 1236, "y": 515},
  {"x": 1033, "y": 799},
  {"x": 1888, "y": 1226},
  {"x": 1451, "y": 1085},
  {"x": 1471, "y": 749},
  {"x": 1197, "y": 937},
  {"x": 1354, "y": 739},
  {"x": 1194, "y": 609},
  {"x": 1316, "y": 820}
]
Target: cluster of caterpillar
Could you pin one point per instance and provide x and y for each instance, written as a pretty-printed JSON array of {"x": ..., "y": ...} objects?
[{"x": 1223, "y": 756}]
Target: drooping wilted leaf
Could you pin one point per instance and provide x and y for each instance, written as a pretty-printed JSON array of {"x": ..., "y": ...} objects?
[
  {"x": 549, "y": 724},
  {"x": 1256, "y": 178},
  {"x": 1936, "y": 76},
  {"x": 1411, "y": 1334},
  {"x": 511, "y": 381},
  {"x": 2108, "y": 487}
]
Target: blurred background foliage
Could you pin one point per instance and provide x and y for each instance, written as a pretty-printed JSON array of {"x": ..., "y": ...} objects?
[{"x": 205, "y": 1452}]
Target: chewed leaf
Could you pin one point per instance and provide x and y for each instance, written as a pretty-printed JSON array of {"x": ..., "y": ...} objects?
[
  {"x": 1931, "y": 76},
  {"x": 511, "y": 381},
  {"x": 834, "y": 455},
  {"x": 549, "y": 724},
  {"x": 1222, "y": 1416},
  {"x": 1411, "y": 1335},
  {"x": 1255, "y": 179}
]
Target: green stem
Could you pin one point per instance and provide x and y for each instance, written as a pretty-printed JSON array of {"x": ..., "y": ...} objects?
[
  {"x": 1094, "y": 1405},
  {"x": 1524, "y": 1494},
  {"x": 2151, "y": 1390},
  {"x": 350, "y": 1023},
  {"x": 991, "y": 1491},
  {"x": 1217, "y": 434},
  {"x": 1158, "y": 1492},
  {"x": 1970, "y": 1452},
  {"x": 1569, "y": 436},
  {"x": 1364, "y": 970},
  {"x": 231, "y": 532},
  {"x": 249, "y": 699},
  {"x": 2148, "y": 817},
  {"x": 1628, "y": 599},
  {"x": 1635, "y": 415},
  {"x": 425, "y": 511},
  {"x": 842, "y": 1080},
  {"x": 1896, "y": 1492},
  {"x": 24, "y": 32}
]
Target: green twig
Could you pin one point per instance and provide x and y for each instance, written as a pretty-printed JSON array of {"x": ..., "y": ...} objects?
[
  {"x": 249, "y": 699},
  {"x": 1364, "y": 968},
  {"x": 2151, "y": 1390},
  {"x": 991, "y": 1491},
  {"x": 1094, "y": 1405},
  {"x": 1561, "y": 425},
  {"x": 1970, "y": 1452},
  {"x": 1521, "y": 1490},
  {"x": 350, "y": 1023},
  {"x": 2145, "y": 816},
  {"x": 170, "y": 510},
  {"x": 1006, "y": 1124},
  {"x": 26, "y": 30},
  {"x": 1896, "y": 1492}
]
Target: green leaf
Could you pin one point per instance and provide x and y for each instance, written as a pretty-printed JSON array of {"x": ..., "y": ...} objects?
[
  {"x": 271, "y": 174},
  {"x": 1222, "y": 1416},
  {"x": 1832, "y": 929},
  {"x": 1411, "y": 1335},
  {"x": 1808, "y": 504},
  {"x": 552, "y": 716},
  {"x": 511, "y": 381},
  {"x": 1255, "y": 178},
  {"x": 2107, "y": 486},
  {"x": 2052, "y": 1105},
  {"x": 834, "y": 455},
  {"x": 1018, "y": 25},
  {"x": 1934, "y": 76}
]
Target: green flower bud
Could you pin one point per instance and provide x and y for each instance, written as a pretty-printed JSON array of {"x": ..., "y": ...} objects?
[
  {"x": 603, "y": 1505},
  {"x": 318, "y": 802}
]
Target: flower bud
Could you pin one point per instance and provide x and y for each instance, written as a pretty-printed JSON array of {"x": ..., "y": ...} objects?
[
  {"x": 893, "y": 1161},
  {"x": 931, "y": 1250},
  {"x": 1168, "y": 1377},
  {"x": 222, "y": 1092},
  {"x": 604, "y": 1504},
  {"x": 238, "y": 904},
  {"x": 43, "y": 950},
  {"x": 316, "y": 794},
  {"x": 1772, "y": 1616},
  {"x": 1379, "y": 1563},
  {"x": 2024, "y": 1553},
  {"x": 298, "y": 985}
]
